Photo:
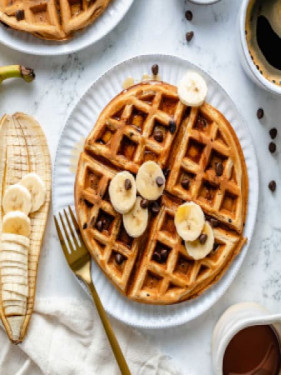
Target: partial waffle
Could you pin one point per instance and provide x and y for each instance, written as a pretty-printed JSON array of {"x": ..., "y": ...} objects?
[
  {"x": 51, "y": 19},
  {"x": 195, "y": 141},
  {"x": 24, "y": 149}
]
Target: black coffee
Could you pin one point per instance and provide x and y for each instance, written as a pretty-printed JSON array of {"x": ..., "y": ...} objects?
[{"x": 263, "y": 34}]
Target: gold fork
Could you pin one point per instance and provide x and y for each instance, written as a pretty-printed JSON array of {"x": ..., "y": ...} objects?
[{"x": 79, "y": 261}]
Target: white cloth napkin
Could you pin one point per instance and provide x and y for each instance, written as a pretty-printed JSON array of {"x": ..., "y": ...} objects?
[{"x": 65, "y": 337}]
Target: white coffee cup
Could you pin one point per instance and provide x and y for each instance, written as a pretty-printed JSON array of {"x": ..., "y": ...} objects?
[
  {"x": 245, "y": 56},
  {"x": 236, "y": 318}
]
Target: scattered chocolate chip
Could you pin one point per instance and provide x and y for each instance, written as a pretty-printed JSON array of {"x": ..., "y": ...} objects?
[
  {"x": 155, "y": 208},
  {"x": 172, "y": 126},
  {"x": 104, "y": 224},
  {"x": 144, "y": 203},
  {"x": 272, "y": 147},
  {"x": 188, "y": 15},
  {"x": 166, "y": 172},
  {"x": 119, "y": 259},
  {"x": 147, "y": 295},
  {"x": 230, "y": 221},
  {"x": 19, "y": 15},
  {"x": 189, "y": 36},
  {"x": 185, "y": 183},
  {"x": 157, "y": 256},
  {"x": 155, "y": 69},
  {"x": 273, "y": 133},
  {"x": 203, "y": 238},
  {"x": 214, "y": 222},
  {"x": 160, "y": 181},
  {"x": 99, "y": 226},
  {"x": 158, "y": 136},
  {"x": 260, "y": 113},
  {"x": 201, "y": 123},
  {"x": 85, "y": 226},
  {"x": 128, "y": 184},
  {"x": 272, "y": 185},
  {"x": 164, "y": 254},
  {"x": 219, "y": 169}
]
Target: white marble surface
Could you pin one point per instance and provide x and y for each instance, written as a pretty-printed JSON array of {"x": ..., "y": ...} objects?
[{"x": 159, "y": 26}]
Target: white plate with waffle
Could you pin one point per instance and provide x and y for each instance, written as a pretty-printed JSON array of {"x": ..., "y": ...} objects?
[
  {"x": 80, "y": 124},
  {"x": 27, "y": 43}
]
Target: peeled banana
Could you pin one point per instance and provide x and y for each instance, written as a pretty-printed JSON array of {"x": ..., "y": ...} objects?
[{"x": 16, "y": 71}]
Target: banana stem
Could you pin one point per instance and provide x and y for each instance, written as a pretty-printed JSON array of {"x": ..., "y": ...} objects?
[{"x": 16, "y": 71}]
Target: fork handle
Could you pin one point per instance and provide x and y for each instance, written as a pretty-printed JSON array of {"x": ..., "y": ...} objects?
[{"x": 109, "y": 331}]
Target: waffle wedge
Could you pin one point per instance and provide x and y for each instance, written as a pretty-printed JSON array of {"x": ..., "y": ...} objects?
[
  {"x": 194, "y": 141},
  {"x": 23, "y": 149},
  {"x": 50, "y": 19}
]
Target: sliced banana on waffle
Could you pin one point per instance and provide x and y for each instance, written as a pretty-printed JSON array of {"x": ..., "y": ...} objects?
[
  {"x": 135, "y": 221},
  {"x": 150, "y": 181},
  {"x": 123, "y": 192},
  {"x": 203, "y": 245},
  {"x": 189, "y": 221},
  {"x": 192, "y": 89},
  {"x": 34, "y": 184},
  {"x": 16, "y": 222},
  {"x": 17, "y": 198}
]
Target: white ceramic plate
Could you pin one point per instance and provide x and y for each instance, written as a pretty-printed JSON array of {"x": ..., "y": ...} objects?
[
  {"x": 78, "y": 127},
  {"x": 28, "y": 43}
]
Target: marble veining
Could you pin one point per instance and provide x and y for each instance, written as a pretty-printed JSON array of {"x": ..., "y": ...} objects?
[{"x": 160, "y": 26}]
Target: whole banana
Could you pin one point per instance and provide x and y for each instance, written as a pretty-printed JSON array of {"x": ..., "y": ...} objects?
[{"x": 16, "y": 71}]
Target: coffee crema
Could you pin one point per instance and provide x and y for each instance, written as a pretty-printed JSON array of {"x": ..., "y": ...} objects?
[
  {"x": 253, "y": 351},
  {"x": 263, "y": 35}
]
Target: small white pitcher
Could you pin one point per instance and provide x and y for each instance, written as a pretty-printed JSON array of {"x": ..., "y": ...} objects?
[{"x": 236, "y": 318}]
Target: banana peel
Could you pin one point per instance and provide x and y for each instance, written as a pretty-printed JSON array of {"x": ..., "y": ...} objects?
[
  {"x": 16, "y": 71},
  {"x": 24, "y": 149}
]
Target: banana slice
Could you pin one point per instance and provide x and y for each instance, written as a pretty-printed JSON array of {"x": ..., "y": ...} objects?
[
  {"x": 15, "y": 310},
  {"x": 192, "y": 89},
  {"x": 123, "y": 192},
  {"x": 13, "y": 271},
  {"x": 16, "y": 222},
  {"x": 15, "y": 238},
  {"x": 135, "y": 221},
  {"x": 17, "y": 198},
  {"x": 13, "y": 247},
  {"x": 150, "y": 181},
  {"x": 6, "y": 295},
  {"x": 13, "y": 257},
  {"x": 13, "y": 279},
  {"x": 14, "y": 303},
  {"x": 189, "y": 221},
  {"x": 201, "y": 247},
  {"x": 12, "y": 264},
  {"x": 34, "y": 184}
]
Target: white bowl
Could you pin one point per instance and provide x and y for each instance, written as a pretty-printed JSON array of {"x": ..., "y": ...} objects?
[
  {"x": 236, "y": 318},
  {"x": 245, "y": 56}
]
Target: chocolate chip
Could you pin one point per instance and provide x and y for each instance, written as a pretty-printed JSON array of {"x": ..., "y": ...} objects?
[
  {"x": 19, "y": 15},
  {"x": 160, "y": 181},
  {"x": 214, "y": 222},
  {"x": 155, "y": 208},
  {"x": 272, "y": 185},
  {"x": 185, "y": 183},
  {"x": 144, "y": 203},
  {"x": 155, "y": 69},
  {"x": 189, "y": 36},
  {"x": 119, "y": 259},
  {"x": 201, "y": 123},
  {"x": 104, "y": 224},
  {"x": 188, "y": 15},
  {"x": 85, "y": 226},
  {"x": 166, "y": 172},
  {"x": 230, "y": 221},
  {"x": 172, "y": 126},
  {"x": 273, "y": 133},
  {"x": 158, "y": 136},
  {"x": 99, "y": 226},
  {"x": 219, "y": 169},
  {"x": 183, "y": 242},
  {"x": 272, "y": 147},
  {"x": 164, "y": 254},
  {"x": 203, "y": 238},
  {"x": 157, "y": 257},
  {"x": 260, "y": 113},
  {"x": 128, "y": 184}
]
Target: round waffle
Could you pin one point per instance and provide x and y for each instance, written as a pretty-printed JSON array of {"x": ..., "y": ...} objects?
[
  {"x": 195, "y": 140},
  {"x": 51, "y": 19}
]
